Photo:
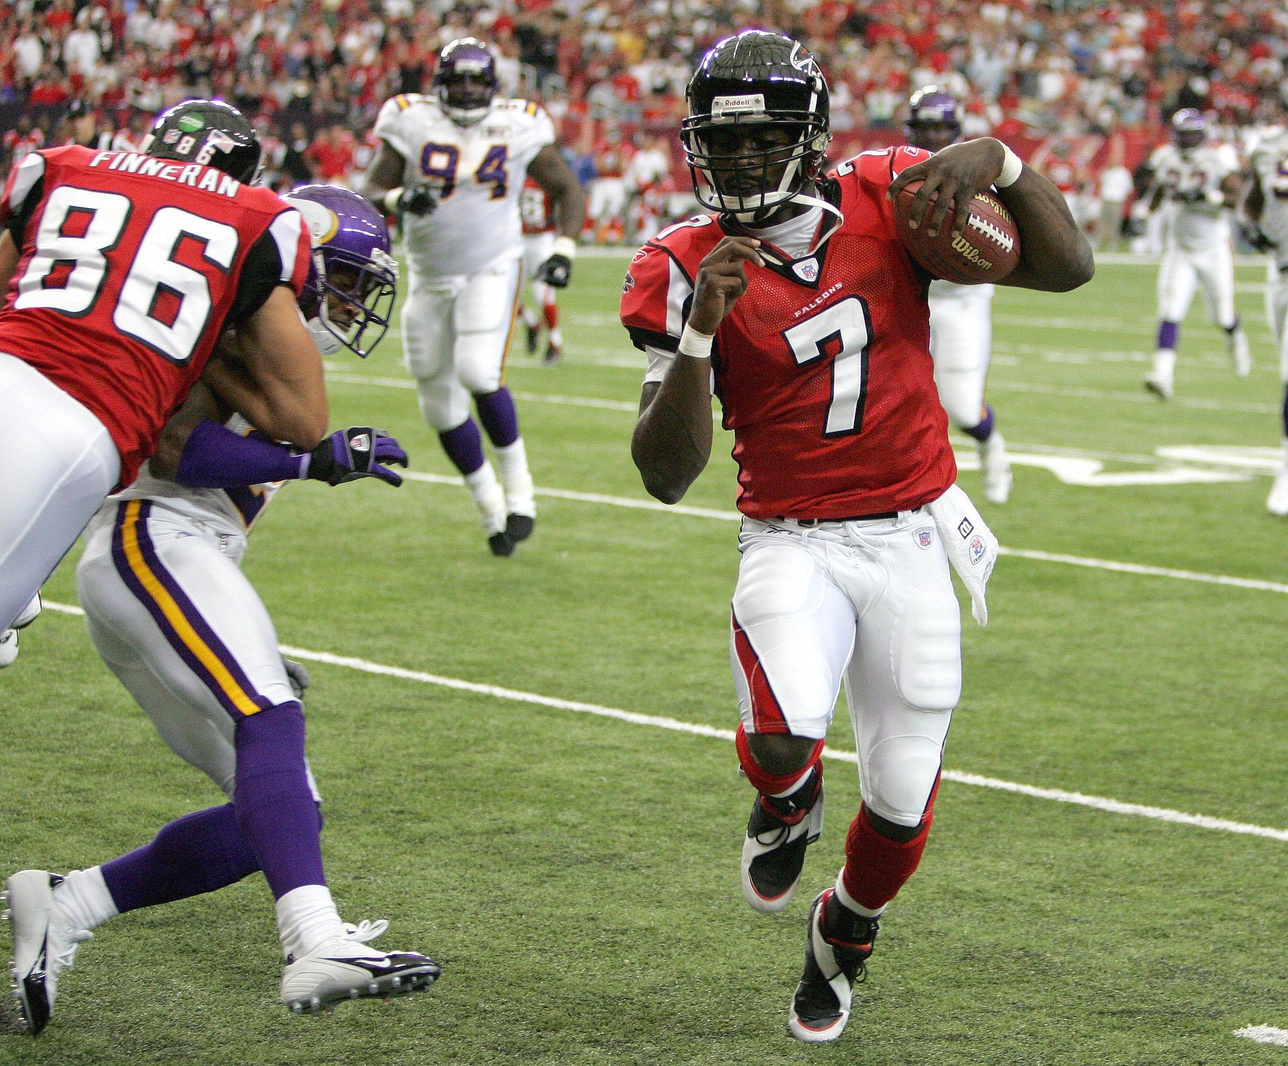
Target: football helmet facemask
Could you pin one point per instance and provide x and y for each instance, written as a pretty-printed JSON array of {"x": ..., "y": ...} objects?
[
  {"x": 1189, "y": 128},
  {"x": 465, "y": 80},
  {"x": 209, "y": 132},
  {"x": 755, "y": 78},
  {"x": 932, "y": 119},
  {"x": 350, "y": 292}
]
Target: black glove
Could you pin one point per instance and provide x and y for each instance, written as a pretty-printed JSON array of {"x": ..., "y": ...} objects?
[
  {"x": 297, "y": 676},
  {"x": 356, "y": 452},
  {"x": 411, "y": 200},
  {"x": 556, "y": 271},
  {"x": 1256, "y": 236}
]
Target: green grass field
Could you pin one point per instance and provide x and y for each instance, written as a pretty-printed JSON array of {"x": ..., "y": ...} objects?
[{"x": 576, "y": 872}]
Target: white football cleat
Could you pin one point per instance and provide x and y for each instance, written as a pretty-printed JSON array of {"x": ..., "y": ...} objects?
[
  {"x": 44, "y": 944},
  {"x": 995, "y": 469},
  {"x": 1277, "y": 502},
  {"x": 1160, "y": 385},
  {"x": 344, "y": 967},
  {"x": 9, "y": 637},
  {"x": 1239, "y": 353},
  {"x": 836, "y": 953},
  {"x": 773, "y": 854}
]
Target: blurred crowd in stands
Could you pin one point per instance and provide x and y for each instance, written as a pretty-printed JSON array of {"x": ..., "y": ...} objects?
[{"x": 1075, "y": 87}]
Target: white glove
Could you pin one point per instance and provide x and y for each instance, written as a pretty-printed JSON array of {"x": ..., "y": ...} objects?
[{"x": 972, "y": 547}]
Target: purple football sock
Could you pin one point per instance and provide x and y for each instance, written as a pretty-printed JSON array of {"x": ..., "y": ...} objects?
[
  {"x": 197, "y": 853},
  {"x": 275, "y": 809},
  {"x": 499, "y": 418},
  {"x": 985, "y": 429},
  {"x": 464, "y": 446},
  {"x": 1168, "y": 333}
]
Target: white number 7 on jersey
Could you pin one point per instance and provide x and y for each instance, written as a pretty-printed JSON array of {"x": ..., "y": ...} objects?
[{"x": 842, "y": 332}]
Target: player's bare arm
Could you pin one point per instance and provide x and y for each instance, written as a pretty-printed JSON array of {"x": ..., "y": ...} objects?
[
  {"x": 672, "y": 440},
  {"x": 383, "y": 177},
  {"x": 1055, "y": 256},
  {"x": 8, "y": 259},
  {"x": 1231, "y": 190},
  {"x": 272, "y": 374},
  {"x": 200, "y": 405},
  {"x": 550, "y": 170}
]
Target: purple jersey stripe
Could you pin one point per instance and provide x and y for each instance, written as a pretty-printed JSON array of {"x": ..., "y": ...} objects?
[{"x": 176, "y": 616}]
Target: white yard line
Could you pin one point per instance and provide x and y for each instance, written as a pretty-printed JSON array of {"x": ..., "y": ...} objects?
[
  {"x": 1264, "y": 1034},
  {"x": 1019, "y": 553},
  {"x": 675, "y": 725}
]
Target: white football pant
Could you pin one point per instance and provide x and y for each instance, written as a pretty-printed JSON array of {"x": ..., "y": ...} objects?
[
  {"x": 456, "y": 333},
  {"x": 179, "y": 624},
  {"x": 1211, "y": 270},
  {"x": 961, "y": 341},
  {"x": 1277, "y": 311},
  {"x": 59, "y": 465},
  {"x": 869, "y": 604}
]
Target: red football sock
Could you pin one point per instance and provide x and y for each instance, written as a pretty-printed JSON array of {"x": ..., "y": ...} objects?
[{"x": 876, "y": 867}]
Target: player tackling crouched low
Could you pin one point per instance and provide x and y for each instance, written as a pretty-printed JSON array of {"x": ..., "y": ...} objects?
[
  {"x": 798, "y": 300},
  {"x": 174, "y": 617}
]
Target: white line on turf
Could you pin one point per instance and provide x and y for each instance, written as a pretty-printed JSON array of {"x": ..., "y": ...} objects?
[
  {"x": 1264, "y": 1034},
  {"x": 675, "y": 725},
  {"x": 1019, "y": 553}
]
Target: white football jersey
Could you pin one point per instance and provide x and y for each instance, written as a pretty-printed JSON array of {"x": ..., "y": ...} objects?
[
  {"x": 1198, "y": 224},
  {"x": 478, "y": 171},
  {"x": 1270, "y": 161},
  {"x": 236, "y": 509}
]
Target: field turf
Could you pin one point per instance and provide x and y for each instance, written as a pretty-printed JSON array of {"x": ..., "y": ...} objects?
[{"x": 520, "y": 769}]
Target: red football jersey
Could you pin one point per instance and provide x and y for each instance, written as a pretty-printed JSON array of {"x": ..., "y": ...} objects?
[
  {"x": 130, "y": 267},
  {"x": 823, "y": 366},
  {"x": 536, "y": 209}
]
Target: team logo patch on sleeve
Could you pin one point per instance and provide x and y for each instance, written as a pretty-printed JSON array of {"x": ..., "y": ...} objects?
[
  {"x": 629, "y": 282},
  {"x": 976, "y": 548}
]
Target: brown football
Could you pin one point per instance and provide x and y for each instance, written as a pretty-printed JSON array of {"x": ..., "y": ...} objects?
[{"x": 987, "y": 250}]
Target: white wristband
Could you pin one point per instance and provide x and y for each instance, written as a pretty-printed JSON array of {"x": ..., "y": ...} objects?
[
  {"x": 391, "y": 199},
  {"x": 1011, "y": 168},
  {"x": 566, "y": 247},
  {"x": 695, "y": 344}
]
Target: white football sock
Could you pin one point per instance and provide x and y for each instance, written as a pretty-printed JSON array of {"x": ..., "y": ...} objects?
[
  {"x": 306, "y": 918},
  {"x": 847, "y": 900},
  {"x": 83, "y": 897},
  {"x": 513, "y": 461},
  {"x": 481, "y": 482}
]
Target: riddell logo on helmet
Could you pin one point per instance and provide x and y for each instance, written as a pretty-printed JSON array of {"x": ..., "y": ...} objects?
[{"x": 747, "y": 103}]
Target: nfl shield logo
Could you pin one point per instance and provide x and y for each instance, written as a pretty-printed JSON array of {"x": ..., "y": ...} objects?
[
  {"x": 976, "y": 549},
  {"x": 925, "y": 538},
  {"x": 806, "y": 269}
]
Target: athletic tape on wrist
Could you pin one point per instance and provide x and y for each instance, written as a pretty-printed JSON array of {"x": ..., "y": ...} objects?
[
  {"x": 695, "y": 344},
  {"x": 391, "y": 200},
  {"x": 1011, "y": 168},
  {"x": 566, "y": 247}
]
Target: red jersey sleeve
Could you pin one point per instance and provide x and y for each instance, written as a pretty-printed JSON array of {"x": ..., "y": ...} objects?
[{"x": 658, "y": 290}]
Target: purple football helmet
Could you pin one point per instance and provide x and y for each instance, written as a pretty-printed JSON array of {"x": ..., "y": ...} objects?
[
  {"x": 932, "y": 121},
  {"x": 1189, "y": 128},
  {"x": 350, "y": 292},
  {"x": 465, "y": 80}
]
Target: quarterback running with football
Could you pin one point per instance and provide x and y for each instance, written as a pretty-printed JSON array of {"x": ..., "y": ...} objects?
[
  {"x": 1196, "y": 184},
  {"x": 453, "y": 164},
  {"x": 961, "y": 317},
  {"x": 797, "y": 300},
  {"x": 172, "y": 615},
  {"x": 121, "y": 271}
]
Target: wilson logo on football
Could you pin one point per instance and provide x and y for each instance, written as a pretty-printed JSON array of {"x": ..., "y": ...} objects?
[{"x": 971, "y": 253}]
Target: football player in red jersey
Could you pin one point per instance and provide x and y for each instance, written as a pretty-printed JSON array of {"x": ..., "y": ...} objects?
[
  {"x": 797, "y": 299},
  {"x": 122, "y": 270}
]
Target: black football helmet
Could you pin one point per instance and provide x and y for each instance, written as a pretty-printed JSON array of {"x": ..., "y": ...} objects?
[
  {"x": 209, "y": 132},
  {"x": 1189, "y": 128},
  {"x": 752, "y": 78},
  {"x": 932, "y": 119},
  {"x": 465, "y": 80}
]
